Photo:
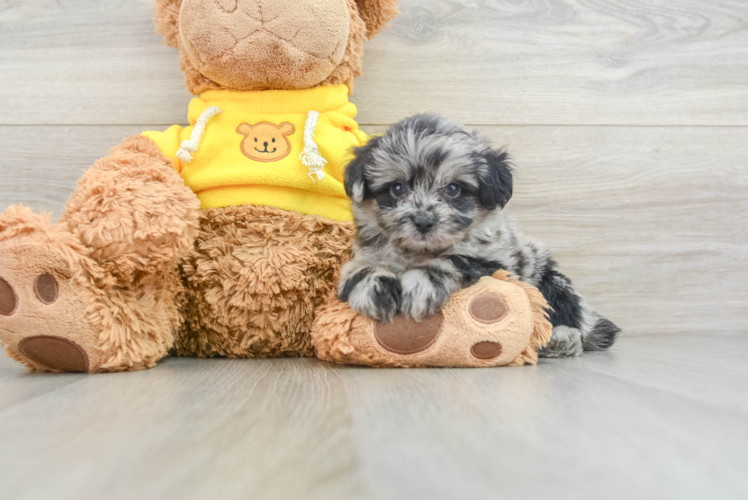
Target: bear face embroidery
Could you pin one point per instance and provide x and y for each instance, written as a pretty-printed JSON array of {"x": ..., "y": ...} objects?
[{"x": 266, "y": 141}]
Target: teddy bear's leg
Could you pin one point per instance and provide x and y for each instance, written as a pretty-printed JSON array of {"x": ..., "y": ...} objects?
[
  {"x": 96, "y": 292},
  {"x": 498, "y": 321}
]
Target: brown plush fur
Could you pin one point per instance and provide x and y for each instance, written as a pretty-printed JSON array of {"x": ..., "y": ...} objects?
[
  {"x": 367, "y": 18},
  {"x": 254, "y": 279},
  {"x": 342, "y": 336}
]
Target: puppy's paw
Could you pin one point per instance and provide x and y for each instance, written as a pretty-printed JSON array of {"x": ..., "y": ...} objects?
[
  {"x": 565, "y": 342},
  {"x": 374, "y": 293},
  {"x": 423, "y": 294}
]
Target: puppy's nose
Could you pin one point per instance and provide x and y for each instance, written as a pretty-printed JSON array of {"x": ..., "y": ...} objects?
[
  {"x": 424, "y": 224},
  {"x": 266, "y": 144}
]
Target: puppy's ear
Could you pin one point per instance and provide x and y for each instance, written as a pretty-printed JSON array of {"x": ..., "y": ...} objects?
[
  {"x": 376, "y": 13},
  {"x": 355, "y": 172},
  {"x": 496, "y": 185}
]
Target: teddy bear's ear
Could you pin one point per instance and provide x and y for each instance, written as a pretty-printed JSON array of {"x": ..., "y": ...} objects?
[
  {"x": 166, "y": 16},
  {"x": 376, "y": 14}
]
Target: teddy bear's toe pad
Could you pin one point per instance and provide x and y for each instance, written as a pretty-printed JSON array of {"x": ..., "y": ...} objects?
[
  {"x": 8, "y": 298},
  {"x": 46, "y": 288},
  {"x": 407, "y": 336},
  {"x": 486, "y": 350},
  {"x": 55, "y": 353},
  {"x": 488, "y": 308}
]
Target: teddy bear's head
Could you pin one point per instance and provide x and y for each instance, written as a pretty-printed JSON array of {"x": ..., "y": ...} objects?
[{"x": 270, "y": 44}]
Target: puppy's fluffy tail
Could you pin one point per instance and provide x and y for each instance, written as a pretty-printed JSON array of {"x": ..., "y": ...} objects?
[{"x": 601, "y": 336}]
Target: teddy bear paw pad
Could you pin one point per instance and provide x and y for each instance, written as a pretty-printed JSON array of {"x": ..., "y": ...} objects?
[
  {"x": 486, "y": 350},
  {"x": 488, "y": 308},
  {"x": 407, "y": 336},
  {"x": 46, "y": 289},
  {"x": 8, "y": 299},
  {"x": 55, "y": 353}
]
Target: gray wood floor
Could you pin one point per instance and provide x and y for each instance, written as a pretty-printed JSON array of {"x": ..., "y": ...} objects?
[
  {"x": 628, "y": 124},
  {"x": 656, "y": 417}
]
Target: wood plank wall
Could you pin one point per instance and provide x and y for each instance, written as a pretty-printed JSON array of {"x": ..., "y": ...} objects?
[{"x": 627, "y": 121}]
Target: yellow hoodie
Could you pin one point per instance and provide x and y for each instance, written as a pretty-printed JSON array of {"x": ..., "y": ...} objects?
[{"x": 280, "y": 148}]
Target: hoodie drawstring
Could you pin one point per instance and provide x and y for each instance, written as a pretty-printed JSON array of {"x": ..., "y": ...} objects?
[
  {"x": 191, "y": 146},
  {"x": 310, "y": 157}
]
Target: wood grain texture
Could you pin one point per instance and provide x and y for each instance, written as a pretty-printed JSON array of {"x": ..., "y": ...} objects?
[
  {"x": 650, "y": 223},
  {"x": 681, "y": 62},
  {"x": 640, "y": 421},
  {"x": 658, "y": 62}
]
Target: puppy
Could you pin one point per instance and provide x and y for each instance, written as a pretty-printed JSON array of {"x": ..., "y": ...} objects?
[{"x": 427, "y": 199}]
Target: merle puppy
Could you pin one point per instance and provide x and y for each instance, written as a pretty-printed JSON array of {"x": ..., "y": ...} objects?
[{"x": 427, "y": 198}]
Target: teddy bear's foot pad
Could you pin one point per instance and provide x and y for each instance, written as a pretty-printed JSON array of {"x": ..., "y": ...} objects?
[
  {"x": 54, "y": 353},
  {"x": 407, "y": 336},
  {"x": 486, "y": 350},
  {"x": 8, "y": 299}
]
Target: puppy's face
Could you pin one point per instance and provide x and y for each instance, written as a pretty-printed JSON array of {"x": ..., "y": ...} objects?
[{"x": 425, "y": 183}]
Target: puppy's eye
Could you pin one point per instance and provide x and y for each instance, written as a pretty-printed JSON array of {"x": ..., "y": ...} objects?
[
  {"x": 453, "y": 190},
  {"x": 255, "y": 139},
  {"x": 273, "y": 139},
  {"x": 397, "y": 190}
]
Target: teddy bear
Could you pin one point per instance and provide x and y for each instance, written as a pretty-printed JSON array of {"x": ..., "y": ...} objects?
[
  {"x": 218, "y": 239},
  {"x": 226, "y": 237}
]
